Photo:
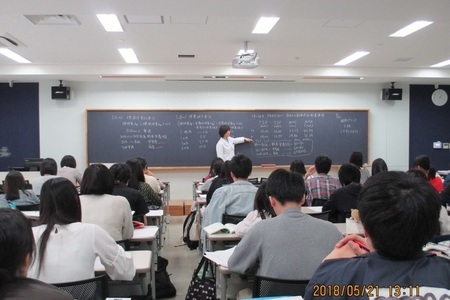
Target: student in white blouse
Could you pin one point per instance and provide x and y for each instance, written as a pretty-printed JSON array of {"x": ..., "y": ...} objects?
[
  {"x": 225, "y": 146},
  {"x": 67, "y": 248},
  {"x": 263, "y": 210}
]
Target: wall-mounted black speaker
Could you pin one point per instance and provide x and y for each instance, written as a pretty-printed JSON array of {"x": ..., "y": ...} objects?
[
  {"x": 60, "y": 92},
  {"x": 392, "y": 94}
]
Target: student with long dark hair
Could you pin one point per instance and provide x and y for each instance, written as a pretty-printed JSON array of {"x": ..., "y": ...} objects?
[
  {"x": 379, "y": 165},
  {"x": 67, "y": 248},
  {"x": 137, "y": 182},
  {"x": 16, "y": 192},
  {"x": 16, "y": 254},
  {"x": 99, "y": 206}
]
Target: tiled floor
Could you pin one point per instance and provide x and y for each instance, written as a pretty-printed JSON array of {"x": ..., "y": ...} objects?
[{"x": 182, "y": 261}]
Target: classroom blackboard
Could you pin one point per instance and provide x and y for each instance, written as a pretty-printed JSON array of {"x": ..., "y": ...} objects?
[{"x": 184, "y": 138}]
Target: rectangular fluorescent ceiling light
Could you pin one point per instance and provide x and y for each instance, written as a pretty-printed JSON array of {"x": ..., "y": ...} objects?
[
  {"x": 128, "y": 55},
  {"x": 14, "y": 56},
  {"x": 441, "y": 64},
  {"x": 351, "y": 58},
  {"x": 265, "y": 25},
  {"x": 411, "y": 28},
  {"x": 110, "y": 22}
]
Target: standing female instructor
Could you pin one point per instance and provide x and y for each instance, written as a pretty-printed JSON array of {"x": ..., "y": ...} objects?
[{"x": 225, "y": 146}]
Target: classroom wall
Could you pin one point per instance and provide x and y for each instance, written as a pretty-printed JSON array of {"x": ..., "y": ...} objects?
[{"x": 63, "y": 123}]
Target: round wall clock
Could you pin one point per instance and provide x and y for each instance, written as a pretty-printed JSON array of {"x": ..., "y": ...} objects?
[{"x": 439, "y": 97}]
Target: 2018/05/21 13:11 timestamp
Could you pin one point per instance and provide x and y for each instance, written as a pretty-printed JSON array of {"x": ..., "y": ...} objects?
[{"x": 355, "y": 290}]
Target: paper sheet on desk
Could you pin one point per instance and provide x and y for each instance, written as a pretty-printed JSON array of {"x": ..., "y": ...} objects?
[{"x": 220, "y": 257}]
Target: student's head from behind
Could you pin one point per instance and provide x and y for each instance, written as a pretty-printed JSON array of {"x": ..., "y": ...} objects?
[
  {"x": 120, "y": 172},
  {"x": 322, "y": 164},
  {"x": 68, "y": 161},
  {"x": 143, "y": 162},
  {"x": 241, "y": 166},
  {"x": 286, "y": 187},
  {"x": 97, "y": 180},
  {"x": 417, "y": 173},
  {"x": 422, "y": 162},
  {"x": 356, "y": 158},
  {"x": 216, "y": 166},
  {"x": 49, "y": 167},
  {"x": 225, "y": 171},
  {"x": 262, "y": 202},
  {"x": 298, "y": 166},
  {"x": 137, "y": 173},
  {"x": 59, "y": 204},
  {"x": 14, "y": 182},
  {"x": 399, "y": 212},
  {"x": 379, "y": 165},
  {"x": 17, "y": 244},
  {"x": 223, "y": 129},
  {"x": 349, "y": 173}
]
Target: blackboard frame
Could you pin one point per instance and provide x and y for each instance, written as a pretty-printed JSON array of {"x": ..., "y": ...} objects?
[{"x": 360, "y": 115}]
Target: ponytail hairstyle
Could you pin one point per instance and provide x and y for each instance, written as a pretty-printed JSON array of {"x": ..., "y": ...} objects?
[{"x": 60, "y": 205}]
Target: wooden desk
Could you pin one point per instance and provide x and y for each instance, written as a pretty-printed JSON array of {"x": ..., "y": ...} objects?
[
  {"x": 148, "y": 235},
  {"x": 142, "y": 263}
]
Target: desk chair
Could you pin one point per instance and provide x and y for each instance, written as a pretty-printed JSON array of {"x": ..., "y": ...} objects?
[
  {"x": 31, "y": 207},
  {"x": 253, "y": 180},
  {"x": 234, "y": 219},
  {"x": 318, "y": 202},
  {"x": 90, "y": 289},
  {"x": 322, "y": 215},
  {"x": 266, "y": 287}
]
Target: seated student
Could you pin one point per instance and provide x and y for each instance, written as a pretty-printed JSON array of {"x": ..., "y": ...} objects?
[
  {"x": 122, "y": 173},
  {"x": 68, "y": 170},
  {"x": 444, "y": 219},
  {"x": 289, "y": 246},
  {"x": 16, "y": 192},
  {"x": 99, "y": 206},
  {"x": 435, "y": 180},
  {"x": 16, "y": 254},
  {"x": 150, "y": 179},
  {"x": 379, "y": 165},
  {"x": 67, "y": 248},
  {"x": 137, "y": 182},
  {"x": 356, "y": 158},
  {"x": 400, "y": 215},
  {"x": 233, "y": 199},
  {"x": 298, "y": 166},
  {"x": 322, "y": 185},
  {"x": 49, "y": 169},
  {"x": 345, "y": 198},
  {"x": 221, "y": 180},
  {"x": 218, "y": 162},
  {"x": 262, "y": 210}
]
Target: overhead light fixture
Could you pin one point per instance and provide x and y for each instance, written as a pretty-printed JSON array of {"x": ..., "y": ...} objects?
[
  {"x": 128, "y": 55},
  {"x": 441, "y": 64},
  {"x": 14, "y": 56},
  {"x": 110, "y": 22},
  {"x": 351, "y": 58},
  {"x": 413, "y": 27},
  {"x": 265, "y": 25}
]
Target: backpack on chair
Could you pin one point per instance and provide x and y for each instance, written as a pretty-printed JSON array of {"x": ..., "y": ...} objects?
[{"x": 191, "y": 230}]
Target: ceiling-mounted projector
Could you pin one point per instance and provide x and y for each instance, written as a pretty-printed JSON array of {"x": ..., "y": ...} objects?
[{"x": 246, "y": 59}]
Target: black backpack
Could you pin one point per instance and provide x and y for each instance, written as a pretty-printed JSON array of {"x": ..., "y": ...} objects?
[
  {"x": 191, "y": 231},
  {"x": 164, "y": 287}
]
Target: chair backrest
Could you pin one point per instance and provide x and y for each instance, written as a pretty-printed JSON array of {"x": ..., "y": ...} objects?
[
  {"x": 321, "y": 215},
  {"x": 31, "y": 207},
  {"x": 90, "y": 289},
  {"x": 265, "y": 287},
  {"x": 318, "y": 202},
  {"x": 234, "y": 219},
  {"x": 253, "y": 180}
]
